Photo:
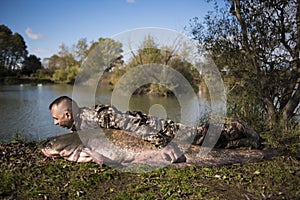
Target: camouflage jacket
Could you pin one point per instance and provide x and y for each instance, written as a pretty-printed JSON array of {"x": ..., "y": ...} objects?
[{"x": 160, "y": 132}]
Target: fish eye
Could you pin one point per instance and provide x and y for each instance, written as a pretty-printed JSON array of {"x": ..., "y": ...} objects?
[{"x": 48, "y": 145}]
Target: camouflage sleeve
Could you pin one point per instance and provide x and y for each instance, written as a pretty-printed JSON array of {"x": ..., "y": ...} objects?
[
  {"x": 157, "y": 131},
  {"x": 86, "y": 119},
  {"x": 251, "y": 137},
  {"x": 237, "y": 134},
  {"x": 161, "y": 132}
]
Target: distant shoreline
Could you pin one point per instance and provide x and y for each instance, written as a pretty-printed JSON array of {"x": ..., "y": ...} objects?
[{"x": 9, "y": 80}]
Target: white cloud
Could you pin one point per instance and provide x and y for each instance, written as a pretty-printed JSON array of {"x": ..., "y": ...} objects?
[
  {"x": 32, "y": 35},
  {"x": 130, "y": 1},
  {"x": 40, "y": 50}
]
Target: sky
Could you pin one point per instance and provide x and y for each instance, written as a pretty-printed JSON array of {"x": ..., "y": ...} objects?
[{"x": 46, "y": 24}]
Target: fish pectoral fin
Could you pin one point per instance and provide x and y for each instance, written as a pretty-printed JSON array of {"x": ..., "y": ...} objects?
[
  {"x": 101, "y": 159},
  {"x": 73, "y": 156},
  {"x": 84, "y": 157},
  {"x": 92, "y": 156}
]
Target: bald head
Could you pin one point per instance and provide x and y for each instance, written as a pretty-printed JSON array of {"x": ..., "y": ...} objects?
[
  {"x": 63, "y": 110},
  {"x": 64, "y": 102}
]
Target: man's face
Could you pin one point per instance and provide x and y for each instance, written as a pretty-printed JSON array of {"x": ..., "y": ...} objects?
[{"x": 62, "y": 117}]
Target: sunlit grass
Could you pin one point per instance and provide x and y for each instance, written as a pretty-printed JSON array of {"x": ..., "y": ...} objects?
[{"x": 26, "y": 174}]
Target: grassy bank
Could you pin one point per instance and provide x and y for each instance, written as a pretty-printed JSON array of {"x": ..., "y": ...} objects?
[{"x": 26, "y": 174}]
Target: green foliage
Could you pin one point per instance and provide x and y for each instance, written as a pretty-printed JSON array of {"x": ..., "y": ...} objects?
[
  {"x": 33, "y": 177},
  {"x": 54, "y": 62},
  {"x": 150, "y": 55},
  {"x": 107, "y": 52},
  {"x": 245, "y": 43},
  {"x": 18, "y": 137},
  {"x": 64, "y": 67},
  {"x": 114, "y": 76},
  {"x": 147, "y": 53},
  {"x": 104, "y": 56},
  {"x": 44, "y": 73},
  {"x": 13, "y": 51},
  {"x": 188, "y": 71},
  {"x": 8, "y": 179},
  {"x": 67, "y": 75},
  {"x": 30, "y": 65},
  {"x": 285, "y": 138},
  {"x": 81, "y": 49}
]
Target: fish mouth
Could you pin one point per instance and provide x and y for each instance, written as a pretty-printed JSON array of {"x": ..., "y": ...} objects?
[
  {"x": 49, "y": 153},
  {"x": 47, "y": 149}
]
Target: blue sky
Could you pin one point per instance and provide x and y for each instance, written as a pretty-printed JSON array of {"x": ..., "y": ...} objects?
[{"x": 45, "y": 24}]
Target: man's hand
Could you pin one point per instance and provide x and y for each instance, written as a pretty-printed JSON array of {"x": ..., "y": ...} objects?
[{"x": 172, "y": 153}]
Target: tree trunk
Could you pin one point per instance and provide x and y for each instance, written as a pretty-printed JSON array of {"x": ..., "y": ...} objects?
[{"x": 286, "y": 109}]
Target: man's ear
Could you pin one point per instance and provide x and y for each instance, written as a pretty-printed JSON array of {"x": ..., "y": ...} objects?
[{"x": 68, "y": 114}]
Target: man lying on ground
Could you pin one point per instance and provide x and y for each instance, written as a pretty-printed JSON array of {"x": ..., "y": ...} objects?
[{"x": 159, "y": 132}]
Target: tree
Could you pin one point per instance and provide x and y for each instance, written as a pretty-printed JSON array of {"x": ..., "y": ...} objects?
[
  {"x": 109, "y": 51},
  {"x": 18, "y": 50},
  {"x": 66, "y": 75},
  {"x": 67, "y": 57},
  {"x": 66, "y": 65},
  {"x": 30, "y": 65},
  {"x": 13, "y": 50},
  {"x": 150, "y": 53},
  {"x": 5, "y": 35},
  {"x": 81, "y": 50},
  {"x": 103, "y": 56},
  {"x": 264, "y": 38},
  {"x": 54, "y": 62}
]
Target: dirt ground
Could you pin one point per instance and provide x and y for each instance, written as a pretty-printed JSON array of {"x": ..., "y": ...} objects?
[{"x": 26, "y": 174}]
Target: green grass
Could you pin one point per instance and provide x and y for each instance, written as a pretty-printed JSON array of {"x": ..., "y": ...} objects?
[{"x": 26, "y": 174}]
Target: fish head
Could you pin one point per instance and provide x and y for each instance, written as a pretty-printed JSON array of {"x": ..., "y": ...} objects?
[{"x": 62, "y": 146}]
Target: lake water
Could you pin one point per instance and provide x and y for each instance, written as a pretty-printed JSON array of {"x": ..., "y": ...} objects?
[{"x": 24, "y": 108}]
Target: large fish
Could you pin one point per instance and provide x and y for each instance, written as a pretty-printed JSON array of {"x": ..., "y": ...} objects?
[
  {"x": 119, "y": 148},
  {"x": 70, "y": 147},
  {"x": 108, "y": 146}
]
